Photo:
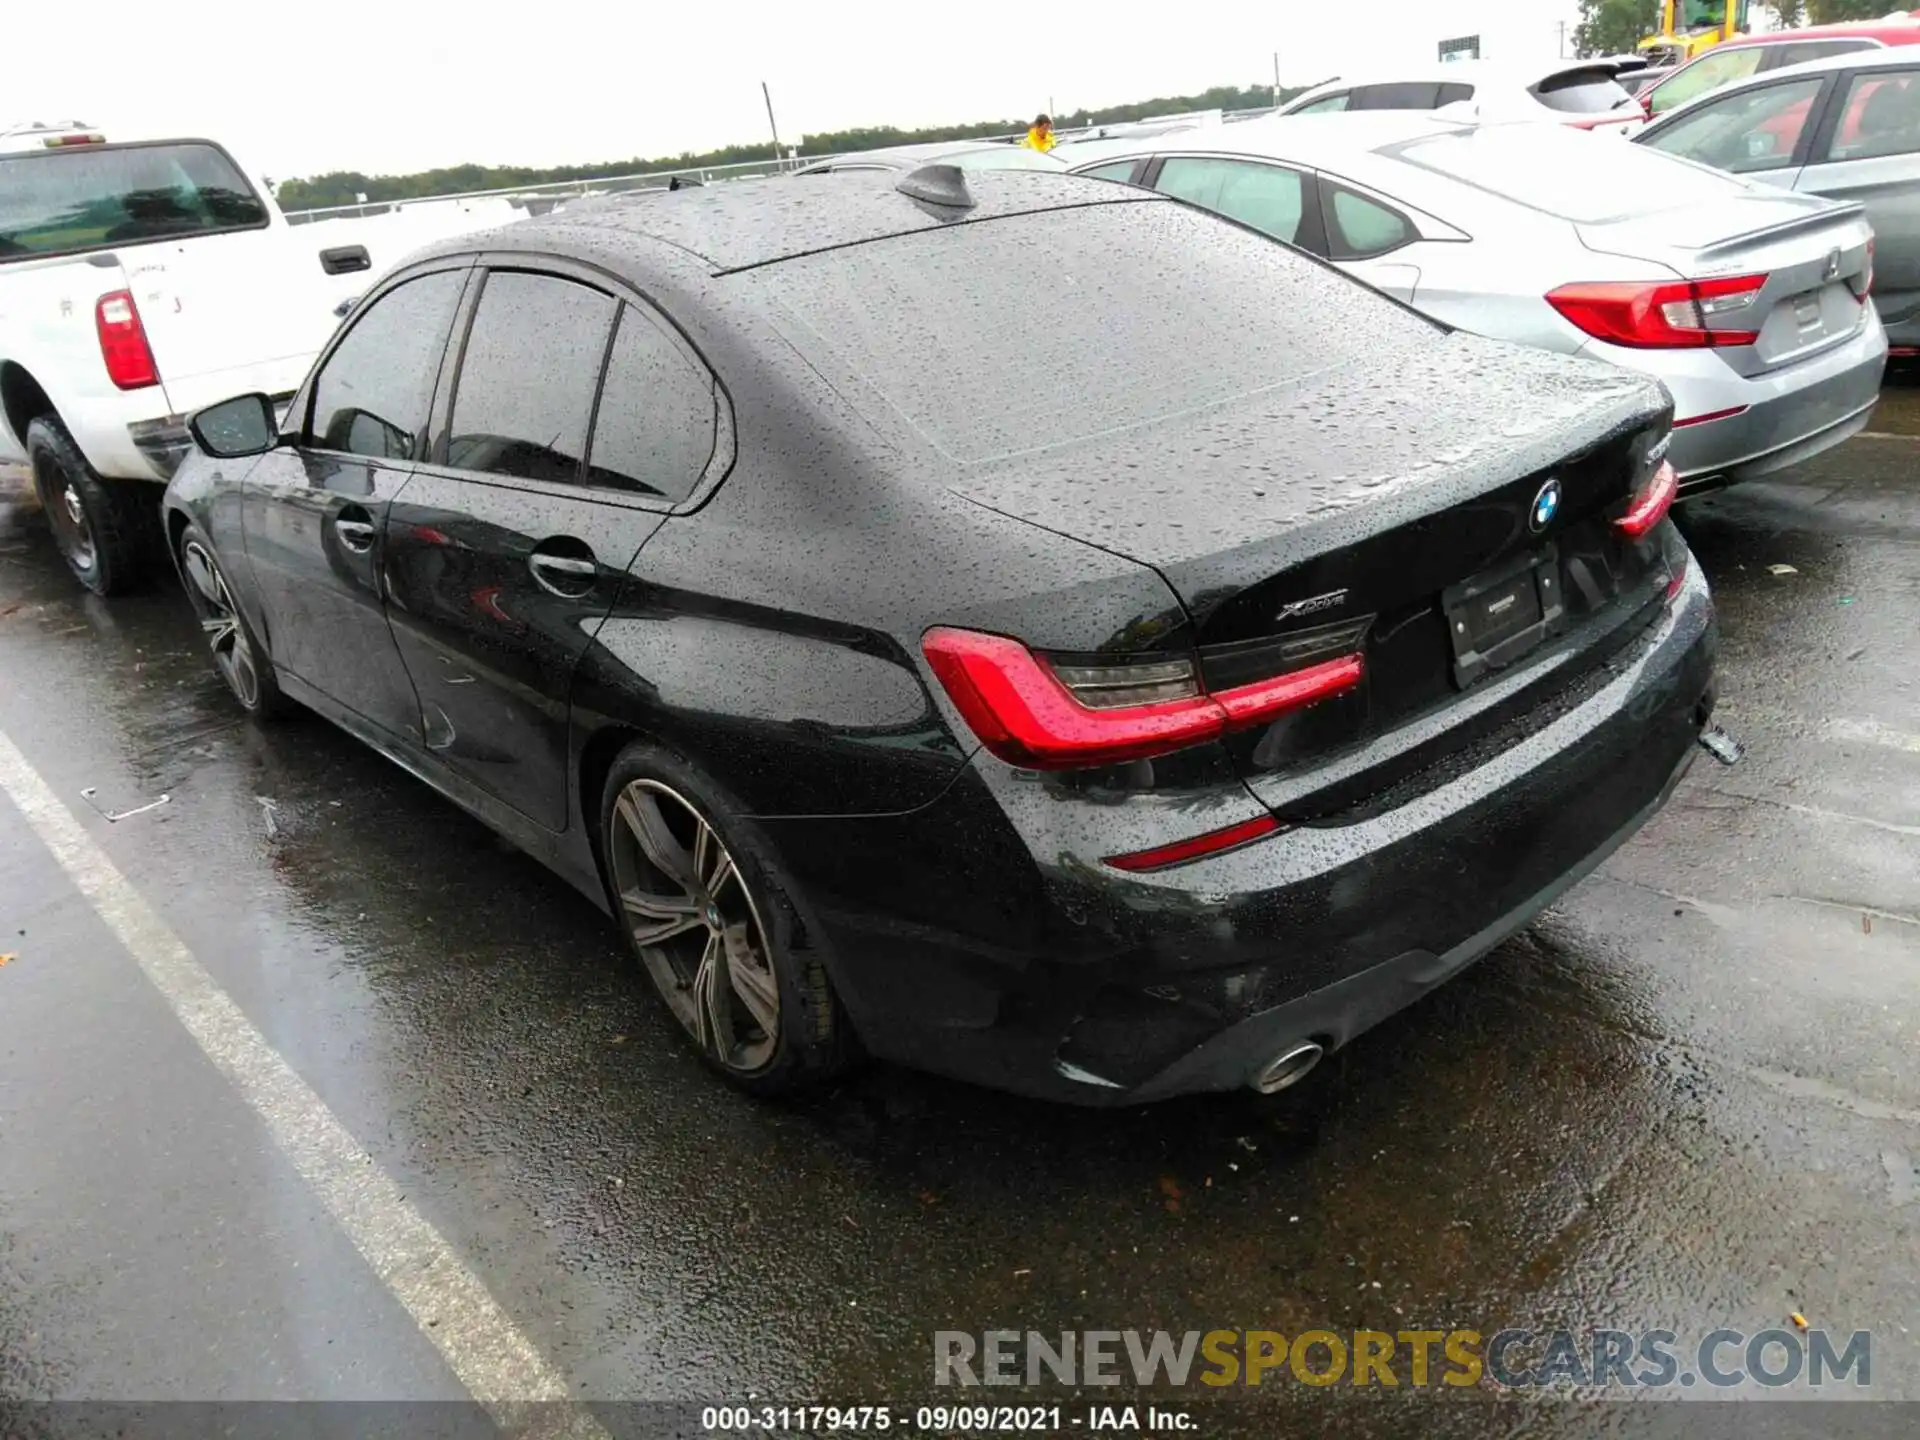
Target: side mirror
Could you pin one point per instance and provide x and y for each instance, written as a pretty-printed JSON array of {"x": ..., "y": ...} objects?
[{"x": 244, "y": 425}]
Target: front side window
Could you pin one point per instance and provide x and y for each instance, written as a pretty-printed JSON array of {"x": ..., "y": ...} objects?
[
  {"x": 1879, "y": 115},
  {"x": 1267, "y": 197},
  {"x": 527, "y": 380},
  {"x": 1757, "y": 129},
  {"x": 1794, "y": 54},
  {"x": 78, "y": 198},
  {"x": 1709, "y": 72},
  {"x": 1359, "y": 228},
  {"x": 655, "y": 429},
  {"x": 1326, "y": 104},
  {"x": 373, "y": 394}
]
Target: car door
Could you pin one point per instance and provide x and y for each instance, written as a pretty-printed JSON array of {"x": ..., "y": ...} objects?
[
  {"x": 1868, "y": 150},
  {"x": 509, "y": 547},
  {"x": 313, "y": 512},
  {"x": 1272, "y": 198}
]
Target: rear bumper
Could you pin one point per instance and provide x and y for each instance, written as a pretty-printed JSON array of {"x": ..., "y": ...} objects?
[
  {"x": 1780, "y": 419},
  {"x": 1025, "y": 965}
]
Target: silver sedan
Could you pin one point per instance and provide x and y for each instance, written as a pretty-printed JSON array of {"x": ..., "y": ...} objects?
[
  {"x": 1847, "y": 127},
  {"x": 1748, "y": 303}
]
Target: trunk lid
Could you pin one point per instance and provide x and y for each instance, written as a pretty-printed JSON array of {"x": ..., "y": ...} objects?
[
  {"x": 1332, "y": 516},
  {"x": 1813, "y": 253}
]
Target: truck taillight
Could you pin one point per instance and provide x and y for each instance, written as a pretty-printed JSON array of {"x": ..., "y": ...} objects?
[
  {"x": 1041, "y": 716},
  {"x": 1652, "y": 316},
  {"x": 123, "y": 342}
]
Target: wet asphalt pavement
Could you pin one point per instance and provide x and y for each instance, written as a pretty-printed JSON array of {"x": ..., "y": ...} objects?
[{"x": 1686, "y": 1098}]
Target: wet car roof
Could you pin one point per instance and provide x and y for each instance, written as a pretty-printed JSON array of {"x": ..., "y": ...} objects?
[{"x": 741, "y": 224}]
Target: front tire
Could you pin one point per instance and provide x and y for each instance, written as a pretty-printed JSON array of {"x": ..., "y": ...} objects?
[
  {"x": 237, "y": 657},
  {"x": 696, "y": 894},
  {"x": 104, "y": 528}
]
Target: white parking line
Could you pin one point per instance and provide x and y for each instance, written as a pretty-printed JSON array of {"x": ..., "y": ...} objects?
[
  {"x": 1872, "y": 732},
  {"x": 498, "y": 1365}
]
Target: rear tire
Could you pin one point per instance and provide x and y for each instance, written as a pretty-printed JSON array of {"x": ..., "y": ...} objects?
[
  {"x": 105, "y": 529},
  {"x": 695, "y": 890},
  {"x": 238, "y": 658}
]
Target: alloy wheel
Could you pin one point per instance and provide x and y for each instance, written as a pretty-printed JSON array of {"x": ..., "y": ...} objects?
[
  {"x": 696, "y": 925},
  {"x": 67, "y": 514},
  {"x": 232, "y": 656}
]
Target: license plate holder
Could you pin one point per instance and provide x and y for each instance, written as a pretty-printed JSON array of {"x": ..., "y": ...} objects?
[{"x": 1497, "y": 616}]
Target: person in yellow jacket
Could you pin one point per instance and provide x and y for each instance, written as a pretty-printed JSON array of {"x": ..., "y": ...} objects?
[{"x": 1040, "y": 134}]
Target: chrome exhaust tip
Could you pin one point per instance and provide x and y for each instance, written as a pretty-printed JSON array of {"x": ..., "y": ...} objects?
[{"x": 1289, "y": 1067}]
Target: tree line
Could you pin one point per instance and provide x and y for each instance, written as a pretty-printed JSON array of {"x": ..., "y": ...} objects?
[
  {"x": 342, "y": 187},
  {"x": 1614, "y": 27}
]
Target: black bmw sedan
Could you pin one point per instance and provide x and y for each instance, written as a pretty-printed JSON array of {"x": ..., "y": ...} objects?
[{"x": 1010, "y": 624}]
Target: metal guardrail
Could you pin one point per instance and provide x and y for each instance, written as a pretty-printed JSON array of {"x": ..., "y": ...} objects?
[
  {"x": 529, "y": 196},
  {"x": 560, "y": 189}
]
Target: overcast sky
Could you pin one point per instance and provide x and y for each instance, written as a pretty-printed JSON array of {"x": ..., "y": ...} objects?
[{"x": 386, "y": 86}]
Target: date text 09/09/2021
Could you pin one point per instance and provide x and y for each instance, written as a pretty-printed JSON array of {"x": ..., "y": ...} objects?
[{"x": 942, "y": 1419}]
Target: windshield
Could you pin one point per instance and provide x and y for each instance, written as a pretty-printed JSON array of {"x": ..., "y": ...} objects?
[
  {"x": 1038, "y": 330},
  {"x": 1566, "y": 173},
  {"x": 65, "y": 201}
]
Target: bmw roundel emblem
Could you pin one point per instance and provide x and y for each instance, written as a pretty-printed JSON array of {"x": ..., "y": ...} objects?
[{"x": 1546, "y": 504}]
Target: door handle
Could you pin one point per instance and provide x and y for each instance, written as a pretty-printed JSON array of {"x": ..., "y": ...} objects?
[
  {"x": 355, "y": 529},
  {"x": 563, "y": 574}
]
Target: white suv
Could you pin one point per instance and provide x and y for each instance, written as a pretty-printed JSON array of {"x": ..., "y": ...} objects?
[{"x": 139, "y": 282}]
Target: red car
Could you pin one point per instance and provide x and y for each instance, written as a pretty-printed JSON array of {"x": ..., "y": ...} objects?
[{"x": 1746, "y": 55}]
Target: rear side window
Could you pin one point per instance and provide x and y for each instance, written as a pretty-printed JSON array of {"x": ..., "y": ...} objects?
[
  {"x": 655, "y": 427},
  {"x": 1407, "y": 95},
  {"x": 63, "y": 202},
  {"x": 1143, "y": 311},
  {"x": 1879, "y": 115},
  {"x": 1270, "y": 198},
  {"x": 528, "y": 377},
  {"x": 1709, "y": 72},
  {"x": 1582, "y": 92},
  {"x": 372, "y": 395},
  {"x": 1753, "y": 130},
  {"x": 1118, "y": 170},
  {"x": 1359, "y": 228}
]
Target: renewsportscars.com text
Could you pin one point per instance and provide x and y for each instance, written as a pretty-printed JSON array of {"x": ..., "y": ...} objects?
[{"x": 1510, "y": 1359}]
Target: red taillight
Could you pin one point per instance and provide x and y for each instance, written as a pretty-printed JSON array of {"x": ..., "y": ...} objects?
[
  {"x": 1650, "y": 503},
  {"x": 123, "y": 342},
  {"x": 61, "y": 142},
  {"x": 1028, "y": 715},
  {"x": 1866, "y": 281},
  {"x": 1214, "y": 842},
  {"x": 1659, "y": 317}
]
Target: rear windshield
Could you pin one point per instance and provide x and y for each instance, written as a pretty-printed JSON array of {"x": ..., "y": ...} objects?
[
  {"x": 1020, "y": 334},
  {"x": 1569, "y": 173},
  {"x": 62, "y": 202},
  {"x": 1582, "y": 92}
]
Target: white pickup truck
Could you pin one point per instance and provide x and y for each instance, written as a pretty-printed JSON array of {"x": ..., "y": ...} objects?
[{"x": 139, "y": 282}]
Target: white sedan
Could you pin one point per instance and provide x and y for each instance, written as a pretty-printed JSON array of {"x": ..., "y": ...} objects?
[
  {"x": 1748, "y": 302},
  {"x": 1586, "y": 94}
]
